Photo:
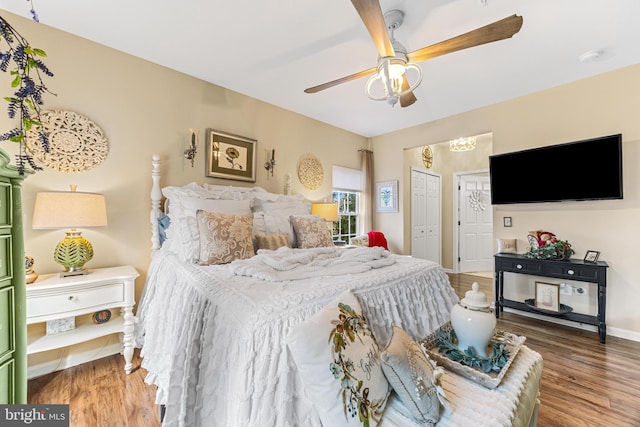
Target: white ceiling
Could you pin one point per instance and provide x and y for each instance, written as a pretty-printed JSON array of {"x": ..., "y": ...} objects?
[{"x": 274, "y": 49}]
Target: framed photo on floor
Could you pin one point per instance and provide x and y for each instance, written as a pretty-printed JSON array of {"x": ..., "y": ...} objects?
[{"x": 548, "y": 296}]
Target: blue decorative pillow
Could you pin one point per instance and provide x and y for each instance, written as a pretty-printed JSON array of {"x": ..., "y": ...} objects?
[{"x": 163, "y": 223}]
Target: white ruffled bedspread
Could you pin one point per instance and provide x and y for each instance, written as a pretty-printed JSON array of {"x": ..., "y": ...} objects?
[{"x": 214, "y": 342}]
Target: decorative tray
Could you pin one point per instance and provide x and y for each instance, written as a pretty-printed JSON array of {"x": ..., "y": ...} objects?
[
  {"x": 487, "y": 379},
  {"x": 564, "y": 309}
]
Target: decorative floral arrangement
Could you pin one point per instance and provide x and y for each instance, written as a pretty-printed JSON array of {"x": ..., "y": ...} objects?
[
  {"x": 25, "y": 65},
  {"x": 545, "y": 245}
]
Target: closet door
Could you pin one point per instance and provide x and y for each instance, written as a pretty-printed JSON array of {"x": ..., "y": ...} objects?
[{"x": 426, "y": 216}]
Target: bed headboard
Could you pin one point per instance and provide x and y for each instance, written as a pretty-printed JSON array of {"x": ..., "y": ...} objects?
[
  {"x": 156, "y": 200},
  {"x": 157, "y": 214}
]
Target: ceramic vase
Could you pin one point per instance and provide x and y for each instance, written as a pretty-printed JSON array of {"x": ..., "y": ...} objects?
[{"x": 473, "y": 321}]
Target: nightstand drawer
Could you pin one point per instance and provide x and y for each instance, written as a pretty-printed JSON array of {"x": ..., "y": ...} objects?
[{"x": 60, "y": 301}]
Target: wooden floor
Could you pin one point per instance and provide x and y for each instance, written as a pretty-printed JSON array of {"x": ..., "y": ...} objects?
[{"x": 584, "y": 383}]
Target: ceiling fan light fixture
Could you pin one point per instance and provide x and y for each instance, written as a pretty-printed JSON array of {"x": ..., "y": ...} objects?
[
  {"x": 391, "y": 72},
  {"x": 463, "y": 144}
]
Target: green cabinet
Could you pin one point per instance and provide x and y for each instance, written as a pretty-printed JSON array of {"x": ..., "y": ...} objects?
[{"x": 13, "y": 313}]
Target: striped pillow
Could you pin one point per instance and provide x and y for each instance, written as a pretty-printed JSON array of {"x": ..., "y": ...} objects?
[{"x": 272, "y": 241}]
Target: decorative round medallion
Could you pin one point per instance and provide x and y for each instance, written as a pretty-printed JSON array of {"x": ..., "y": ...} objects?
[
  {"x": 478, "y": 200},
  {"x": 310, "y": 172},
  {"x": 102, "y": 316},
  {"x": 76, "y": 144},
  {"x": 427, "y": 156}
]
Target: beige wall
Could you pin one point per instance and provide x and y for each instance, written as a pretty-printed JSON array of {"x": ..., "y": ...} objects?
[
  {"x": 144, "y": 109},
  {"x": 601, "y": 105}
]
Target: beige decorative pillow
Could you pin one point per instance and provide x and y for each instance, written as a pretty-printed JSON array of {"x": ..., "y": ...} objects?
[
  {"x": 311, "y": 232},
  {"x": 507, "y": 246},
  {"x": 413, "y": 376},
  {"x": 272, "y": 241},
  {"x": 224, "y": 237}
]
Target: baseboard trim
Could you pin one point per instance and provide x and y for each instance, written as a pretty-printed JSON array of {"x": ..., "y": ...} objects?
[
  {"x": 614, "y": 332},
  {"x": 67, "y": 358}
]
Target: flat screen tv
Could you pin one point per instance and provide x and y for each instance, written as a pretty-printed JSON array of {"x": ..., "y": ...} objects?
[{"x": 581, "y": 170}]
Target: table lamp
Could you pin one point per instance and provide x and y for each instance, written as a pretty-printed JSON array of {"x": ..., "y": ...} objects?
[
  {"x": 327, "y": 211},
  {"x": 72, "y": 210}
]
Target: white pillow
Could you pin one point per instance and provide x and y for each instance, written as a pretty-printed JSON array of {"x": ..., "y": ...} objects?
[
  {"x": 506, "y": 246},
  {"x": 339, "y": 364},
  {"x": 276, "y": 217}
]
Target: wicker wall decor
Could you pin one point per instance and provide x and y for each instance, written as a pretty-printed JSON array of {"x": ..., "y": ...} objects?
[
  {"x": 310, "y": 172},
  {"x": 76, "y": 144}
]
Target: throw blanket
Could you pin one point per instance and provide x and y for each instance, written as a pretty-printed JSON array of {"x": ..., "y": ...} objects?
[
  {"x": 376, "y": 238},
  {"x": 296, "y": 264}
]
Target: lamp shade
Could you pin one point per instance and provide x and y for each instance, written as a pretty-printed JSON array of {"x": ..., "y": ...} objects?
[
  {"x": 327, "y": 211},
  {"x": 69, "y": 209}
]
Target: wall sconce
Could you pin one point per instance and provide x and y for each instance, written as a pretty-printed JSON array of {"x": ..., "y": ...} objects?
[
  {"x": 190, "y": 153},
  {"x": 270, "y": 164}
]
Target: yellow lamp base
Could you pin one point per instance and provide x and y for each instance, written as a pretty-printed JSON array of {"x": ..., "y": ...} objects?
[{"x": 73, "y": 252}]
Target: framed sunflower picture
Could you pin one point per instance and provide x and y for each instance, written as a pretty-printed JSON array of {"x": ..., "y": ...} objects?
[{"x": 230, "y": 156}]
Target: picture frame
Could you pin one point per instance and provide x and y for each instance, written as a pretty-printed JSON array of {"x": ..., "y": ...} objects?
[
  {"x": 506, "y": 221},
  {"x": 548, "y": 296},
  {"x": 387, "y": 196},
  {"x": 230, "y": 156},
  {"x": 591, "y": 256}
]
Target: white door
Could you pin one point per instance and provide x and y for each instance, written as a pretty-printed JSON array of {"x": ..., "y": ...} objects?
[
  {"x": 426, "y": 211},
  {"x": 418, "y": 214},
  {"x": 475, "y": 224}
]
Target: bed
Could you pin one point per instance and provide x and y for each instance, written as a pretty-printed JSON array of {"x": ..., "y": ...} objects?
[{"x": 214, "y": 335}]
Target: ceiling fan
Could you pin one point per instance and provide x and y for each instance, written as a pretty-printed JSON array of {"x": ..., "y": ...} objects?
[{"x": 393, "y": 59}]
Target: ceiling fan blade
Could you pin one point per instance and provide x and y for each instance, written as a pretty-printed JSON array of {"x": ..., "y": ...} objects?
[
  {"x": 371, "y": 14},
  {"x": 499, "y": 30},
  {"x": 409, "y": 98},
  {"x": 345, "y": 79}
]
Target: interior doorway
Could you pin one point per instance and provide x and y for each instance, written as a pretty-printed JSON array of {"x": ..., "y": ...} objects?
[{"x": 473, "y": 223}]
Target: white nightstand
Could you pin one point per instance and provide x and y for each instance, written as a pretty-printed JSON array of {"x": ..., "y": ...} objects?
[{"x": 52, "y": 297}]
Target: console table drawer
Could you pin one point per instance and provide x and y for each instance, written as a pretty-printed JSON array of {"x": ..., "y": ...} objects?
[
  {"x": 51, "y": 304},
  {"x": 572, "y": 271},
  {"x": 520, "y": 266}
]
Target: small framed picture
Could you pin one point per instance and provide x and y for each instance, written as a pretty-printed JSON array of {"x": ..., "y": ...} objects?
[
  {"x": 548, "y": 296},
  {"x": 506, "y": 221},
  {"x": 230, "y": 156},
  {"x": 591, "y": 256},
  {"x": 387, "y": 196}
]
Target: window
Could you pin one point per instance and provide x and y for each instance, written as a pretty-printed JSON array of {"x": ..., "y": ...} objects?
[
  {"x": 347, "y": 225},
  {"x": 347, "y": 184}
]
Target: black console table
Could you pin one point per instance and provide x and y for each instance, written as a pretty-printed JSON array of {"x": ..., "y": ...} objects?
[{"x": 573, "y": 269}]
